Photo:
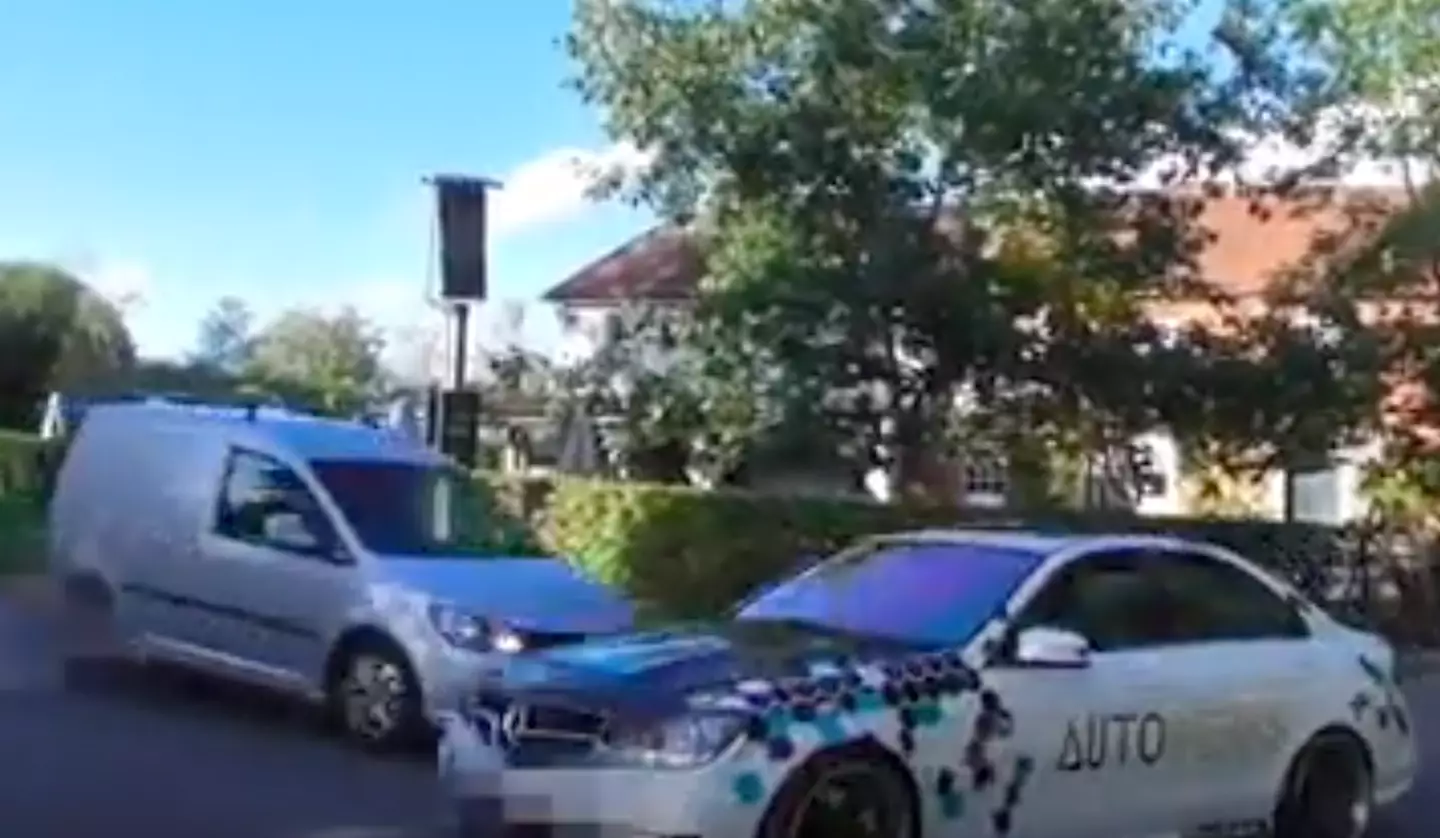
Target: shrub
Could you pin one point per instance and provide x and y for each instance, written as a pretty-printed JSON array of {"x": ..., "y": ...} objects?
[
  {"x": 685, "y": 552},
  {"x": 24, "y": 461},
  {"x": 508, "y": 507},
  {"x": 22, "y": 512},
  {"x": 691, "y": 553}
]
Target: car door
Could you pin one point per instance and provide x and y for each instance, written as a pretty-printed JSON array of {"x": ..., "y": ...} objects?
[
  {"x": 1243, "y": 649},
  {"x": 1098, "y": 735},
  {"x": 281, "y": 583}
]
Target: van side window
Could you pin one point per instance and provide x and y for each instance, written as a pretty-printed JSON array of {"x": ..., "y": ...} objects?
[{"x": 263, "y": 501}]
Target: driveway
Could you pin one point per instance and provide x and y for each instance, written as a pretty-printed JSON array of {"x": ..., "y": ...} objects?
[{"x": 168, "y": 756}]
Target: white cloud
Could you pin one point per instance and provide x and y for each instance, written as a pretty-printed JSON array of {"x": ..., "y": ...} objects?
[
  {"x": 555, "y": 186},
  {"x": 1272, "y": 157},
  {"x": 126, "y": 283}
]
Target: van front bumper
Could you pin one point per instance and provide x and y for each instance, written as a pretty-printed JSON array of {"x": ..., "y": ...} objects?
[
  {"x": 489, "y": 797},
  {"x": 449, "y": 675}
]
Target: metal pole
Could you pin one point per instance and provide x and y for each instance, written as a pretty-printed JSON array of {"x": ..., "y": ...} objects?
[{"x": 461, "y": 312}]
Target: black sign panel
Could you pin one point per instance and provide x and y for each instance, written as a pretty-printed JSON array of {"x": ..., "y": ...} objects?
[
  {"x": 462, "y": 208},
  {"x": 460, "y": 425}
]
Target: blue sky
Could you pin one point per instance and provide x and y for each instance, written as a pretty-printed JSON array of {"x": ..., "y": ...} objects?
[{"x": 274, "y": 150}]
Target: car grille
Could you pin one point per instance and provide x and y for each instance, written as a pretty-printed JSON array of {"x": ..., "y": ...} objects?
[{"x": 522, "y": 724}]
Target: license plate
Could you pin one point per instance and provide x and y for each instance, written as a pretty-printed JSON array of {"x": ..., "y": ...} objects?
[{"x": 461, "y": 750}]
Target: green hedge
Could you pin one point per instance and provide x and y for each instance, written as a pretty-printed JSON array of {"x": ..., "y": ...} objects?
[
  {"x": 23, "y": 459},
  {"x": 25, "y": 462},
  {"x": 690, "y": 552},
  {"x": 685, "y": 552}
]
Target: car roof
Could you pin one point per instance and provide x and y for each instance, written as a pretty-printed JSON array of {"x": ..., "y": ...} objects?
[
  {"x": 302, "y": 435},
  {"x": 1042, "y": 542}
]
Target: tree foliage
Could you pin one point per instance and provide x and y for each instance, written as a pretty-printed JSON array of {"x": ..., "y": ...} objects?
[
  {"x": 1382, "y": 63},
  {"x": 907, "y": 204},
  {"x": 225, "y": 340},
  {"x": 55, "y": 334},
  {"x": 332, "y": 359}
]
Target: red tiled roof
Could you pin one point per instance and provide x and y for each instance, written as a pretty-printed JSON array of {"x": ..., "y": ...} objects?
[
  {"x": 662, "y": 264},
  {"x": 1255, "y": 241}
]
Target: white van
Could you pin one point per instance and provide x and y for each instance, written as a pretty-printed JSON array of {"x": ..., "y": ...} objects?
[{"x": 327, "y": 559}]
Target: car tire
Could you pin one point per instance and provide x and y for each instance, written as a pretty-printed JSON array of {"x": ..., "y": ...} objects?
[
  {"x": 374, "y": 697},
  {"x": 855, "y": 791},
  {"x": 89, "y": 646},
  {"x": 1329, "y": 790}
]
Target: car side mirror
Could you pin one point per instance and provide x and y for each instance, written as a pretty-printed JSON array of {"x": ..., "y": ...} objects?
[{"x": 1052, "y": 648}]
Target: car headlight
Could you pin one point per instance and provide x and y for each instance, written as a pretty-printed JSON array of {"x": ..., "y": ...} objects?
[
  {"x": 468, "y": 631},
  {"x": 684, "y": 741}
]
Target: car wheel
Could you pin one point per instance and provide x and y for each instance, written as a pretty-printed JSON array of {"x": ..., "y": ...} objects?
[
  {"x": 850, "y": 792},
  {"x": 1329, "y": 791},
  {"x": 375, "y": 697}
]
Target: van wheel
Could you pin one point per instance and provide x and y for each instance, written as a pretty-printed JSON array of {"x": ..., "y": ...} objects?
[
  {"x": 375, "y": 698},
  {"x": 1329, "y": 791},
  {"x": 845, "y": 793},
  {"x": 89, "y": 643}
]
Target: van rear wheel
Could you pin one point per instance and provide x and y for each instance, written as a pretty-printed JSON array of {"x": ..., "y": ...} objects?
[{"x": 375, "y": 698}]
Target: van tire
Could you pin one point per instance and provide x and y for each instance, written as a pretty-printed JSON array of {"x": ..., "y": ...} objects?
[
  {"x": 90, "y": 651},
  {"x": 372, "y": 695}
]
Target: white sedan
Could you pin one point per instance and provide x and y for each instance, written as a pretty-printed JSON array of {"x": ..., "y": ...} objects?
[{"x": 956, "y": 684}]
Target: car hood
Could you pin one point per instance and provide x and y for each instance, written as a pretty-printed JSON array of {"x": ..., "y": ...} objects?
[
  {"x": 656, "y": 673},
  {"x": 527, "y": 593}
]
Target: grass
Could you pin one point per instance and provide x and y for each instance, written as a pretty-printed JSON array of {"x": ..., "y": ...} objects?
[{"x": 22, "y": 535}]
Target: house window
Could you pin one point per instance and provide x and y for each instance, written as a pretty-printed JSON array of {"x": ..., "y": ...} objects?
[
  {"x": 612, "y": 329},
  {"x": 984, "y": 481},
  {"x": 1149, "y": 475}
]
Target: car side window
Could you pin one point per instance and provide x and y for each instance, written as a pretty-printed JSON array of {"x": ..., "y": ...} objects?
[
  {"x": 264, "y": 502},
  {"x": 1113, "y": 599},
  {"x": 1218, "y": 601}
]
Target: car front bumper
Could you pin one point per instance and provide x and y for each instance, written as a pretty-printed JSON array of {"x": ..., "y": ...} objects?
[{"x": 490, "y": 798}]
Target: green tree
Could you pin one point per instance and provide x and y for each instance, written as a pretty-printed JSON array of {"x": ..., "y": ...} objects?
[
  {"x": 1382, "y": 64},
  {"x": 224, "y": 339},
  {"x": 55, "y": 334},
  {"x": 333, "y": 360},
  {"x": 861, "y": 170}
]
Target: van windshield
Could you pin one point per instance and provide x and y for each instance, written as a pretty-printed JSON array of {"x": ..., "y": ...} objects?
[{"x": 406, "y": 509}]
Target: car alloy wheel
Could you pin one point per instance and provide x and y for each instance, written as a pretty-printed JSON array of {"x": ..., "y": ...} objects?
[{"x": 374, "y": 698}]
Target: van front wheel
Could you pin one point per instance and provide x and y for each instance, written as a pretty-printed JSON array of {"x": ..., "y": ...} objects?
[{"x": 375, "y": 698}]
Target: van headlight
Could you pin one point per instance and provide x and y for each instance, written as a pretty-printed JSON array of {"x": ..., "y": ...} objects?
[
  {"x": 467, "y": 631},
  {"x": 684, "y": 741}
]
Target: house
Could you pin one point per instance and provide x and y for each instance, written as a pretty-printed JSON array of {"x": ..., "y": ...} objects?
[{"x": 1254, "y": 241}]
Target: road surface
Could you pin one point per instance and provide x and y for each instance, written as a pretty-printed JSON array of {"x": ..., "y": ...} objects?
[{"x": 169, "y": 756}]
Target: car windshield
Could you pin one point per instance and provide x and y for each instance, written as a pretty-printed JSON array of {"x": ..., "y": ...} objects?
[
  {"x": 406, "y": 509},
  {"x": 920, "y": 592}
]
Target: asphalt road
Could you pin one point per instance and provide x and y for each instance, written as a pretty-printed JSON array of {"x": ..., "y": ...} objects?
[{"x": 169, "y": 756}]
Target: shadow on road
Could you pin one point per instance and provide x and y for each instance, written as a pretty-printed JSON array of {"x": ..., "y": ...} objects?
[{"x": 175, "y": 692}]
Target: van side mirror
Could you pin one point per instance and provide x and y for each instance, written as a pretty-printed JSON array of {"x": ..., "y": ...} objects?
[{"x": 1051, "y": 648}]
